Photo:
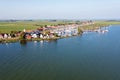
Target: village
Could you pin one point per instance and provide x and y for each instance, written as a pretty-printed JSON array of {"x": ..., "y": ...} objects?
[{"x": 46, "y": 32}]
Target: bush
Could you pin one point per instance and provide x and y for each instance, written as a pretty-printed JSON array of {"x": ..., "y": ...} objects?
[
  {"x": 79, "y": 30},
  {"x": 22, "y": 35}
]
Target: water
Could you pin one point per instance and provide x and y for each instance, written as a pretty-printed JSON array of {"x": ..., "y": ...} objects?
[{"x": 92, "y": 56}]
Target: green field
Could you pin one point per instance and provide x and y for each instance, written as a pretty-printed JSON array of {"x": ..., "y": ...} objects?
[
  {"x": 7, "y": 27},
  {"x": 108, "y": 22},
  {"x": 99, "y": 24}
]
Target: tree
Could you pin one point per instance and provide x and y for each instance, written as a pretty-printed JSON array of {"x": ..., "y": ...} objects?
[
  {"x": 80, "y": 30},
  {"x": 22, "y": 35}
]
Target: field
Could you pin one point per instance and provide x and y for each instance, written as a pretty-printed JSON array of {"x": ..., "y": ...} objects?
[
  {"x": 108, "y": 22},
  {"x": 7, "y": 27},
  {"x": 99, "y": 24}
]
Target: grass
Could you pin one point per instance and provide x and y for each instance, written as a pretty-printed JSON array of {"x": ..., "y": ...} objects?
[
  {"x": 9, "y": 40},
  {"x": 93, "y": 26},
  {"x": 99, "y": 24},
  {"x": 15, "y": 26},
  {"x": 7, "y": 27},
  {"x": 108, "y": 22}
]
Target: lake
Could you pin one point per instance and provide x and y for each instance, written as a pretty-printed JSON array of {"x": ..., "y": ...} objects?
[{"x": 92, "y": 56}]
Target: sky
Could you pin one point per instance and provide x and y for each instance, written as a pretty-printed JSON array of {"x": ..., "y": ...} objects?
[{"x": 59, "y": 9}]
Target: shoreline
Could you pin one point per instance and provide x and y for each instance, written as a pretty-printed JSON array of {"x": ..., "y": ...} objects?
[
  {"x": 80, "y": 30},
  {"x": 13, "y": 40}
]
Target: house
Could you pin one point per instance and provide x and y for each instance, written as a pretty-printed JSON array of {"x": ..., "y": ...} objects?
[
  {"x": 5, "y": 36},
  {"x": 9, "y": 36},
  {"x": 41, "y": 36},
  {"x": 28, "y": 36},
  {"x": 34, "y": 35},
  {"x": 1, "y": 36}
]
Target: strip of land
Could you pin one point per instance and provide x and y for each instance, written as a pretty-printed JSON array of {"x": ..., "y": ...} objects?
[{"x": 12, "y": 31}]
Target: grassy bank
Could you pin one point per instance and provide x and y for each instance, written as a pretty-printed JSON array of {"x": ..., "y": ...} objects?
[
  {"x": 9, "y": 40},
  {"x": 99, "y": 24},
  {"x": 93, "y": 26}
]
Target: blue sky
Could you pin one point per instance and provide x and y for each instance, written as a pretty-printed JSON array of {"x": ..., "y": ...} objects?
[{"x": 59, "y": 9}]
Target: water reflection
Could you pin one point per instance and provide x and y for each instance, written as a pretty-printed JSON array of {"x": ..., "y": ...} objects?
[
  {"x": 35, "y": 42},
  {"x": 41, "y": 43},
  {"x": 23, "y": 42}
]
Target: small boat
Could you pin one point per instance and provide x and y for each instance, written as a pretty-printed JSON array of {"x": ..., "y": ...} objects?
[
  {"x": 103, "y": 31},
  {"x": 106, "y": 30}
]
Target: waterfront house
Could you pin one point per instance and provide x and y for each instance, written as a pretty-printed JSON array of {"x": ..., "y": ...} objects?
[
  {"x": 1, "y": 36},
  {"x": 5, "y": 36},
  {"x": 9, "y": 36},
  {"x": 51, "y": 35},
  {"x": 34, "y": 35},
  {"x": 28, "y": 36}
]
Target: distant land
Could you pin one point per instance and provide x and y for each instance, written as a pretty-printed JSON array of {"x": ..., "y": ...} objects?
[{"x": 54, "y": 20}]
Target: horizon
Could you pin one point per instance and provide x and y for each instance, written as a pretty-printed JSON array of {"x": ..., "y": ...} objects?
[
  {"x": 59, "y": 19},
  {"x": 64, "y": 9}
]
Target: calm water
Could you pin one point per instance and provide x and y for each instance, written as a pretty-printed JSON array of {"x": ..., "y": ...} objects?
[{"x": 92, "y": 56}]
